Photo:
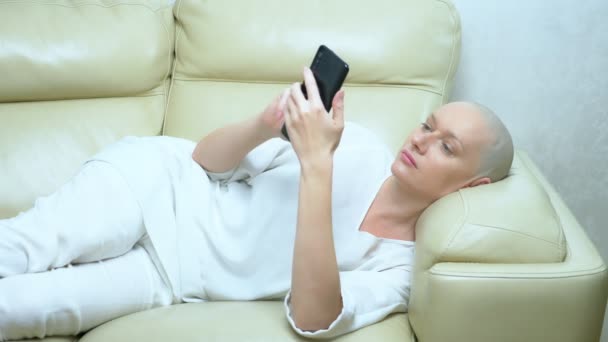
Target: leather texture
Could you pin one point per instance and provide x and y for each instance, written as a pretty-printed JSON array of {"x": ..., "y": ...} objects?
[
  {"x": 506, "y": 262},
  {"x": 78, "y": 76},
  {"x": 233, "y": 57},
  {"x": 230, "y": 321},
  {"x": 132, "y": 54},
  {"x": 503, "y": 262}
]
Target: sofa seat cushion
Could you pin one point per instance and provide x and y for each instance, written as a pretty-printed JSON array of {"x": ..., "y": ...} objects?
[{"x": 229, "y": 321}]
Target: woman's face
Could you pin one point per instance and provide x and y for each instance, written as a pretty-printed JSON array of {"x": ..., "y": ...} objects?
[{"x": 443, "y": 154}]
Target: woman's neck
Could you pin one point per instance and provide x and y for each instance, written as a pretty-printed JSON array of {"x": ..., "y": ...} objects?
[{"x": 396, "y": 208}]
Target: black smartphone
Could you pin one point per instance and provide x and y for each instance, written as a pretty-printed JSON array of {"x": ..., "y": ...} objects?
[{"x": 330, "y": 72}]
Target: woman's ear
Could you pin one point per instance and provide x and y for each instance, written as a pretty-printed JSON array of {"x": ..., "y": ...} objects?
[{"x": 480, "y": 181}]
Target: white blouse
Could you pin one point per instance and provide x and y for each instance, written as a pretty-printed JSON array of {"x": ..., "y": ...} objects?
[{"x": 230, "y": 235}]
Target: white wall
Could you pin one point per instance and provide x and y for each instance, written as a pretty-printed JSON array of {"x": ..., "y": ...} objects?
[{"x": 543, "y": 67}]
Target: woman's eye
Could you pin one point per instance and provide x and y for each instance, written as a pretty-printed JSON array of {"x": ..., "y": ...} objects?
[
  {"x": 425, "y": 126},
  {"x": 446, "y": 148}
]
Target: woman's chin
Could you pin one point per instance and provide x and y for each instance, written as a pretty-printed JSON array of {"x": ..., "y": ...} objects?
[{"x": 400, "y": 170}]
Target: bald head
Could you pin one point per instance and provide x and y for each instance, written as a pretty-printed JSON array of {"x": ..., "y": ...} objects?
[{"x": 497, "y": 155}]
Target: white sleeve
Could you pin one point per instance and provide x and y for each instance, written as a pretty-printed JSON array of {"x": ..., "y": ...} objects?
[
  {"x": 367, "y": 298},
  {"x": 263, "y": 157}
]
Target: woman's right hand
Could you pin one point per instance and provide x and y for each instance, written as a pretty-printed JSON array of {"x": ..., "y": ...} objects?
[{"x": 272, "y": 118}]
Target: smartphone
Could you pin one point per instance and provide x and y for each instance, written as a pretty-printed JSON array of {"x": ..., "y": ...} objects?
[{"x": 330, "y": 72}]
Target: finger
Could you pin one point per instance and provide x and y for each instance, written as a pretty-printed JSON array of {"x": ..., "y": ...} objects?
[
  {"x": 311, "y": 87},
  {"x": 282, "y": 102},
  {"x": 293, "y": 108},
  {"x": 284, "y": 97},
  {"x": 288, "y": 119},
  {"x": 298, "y": 97},
  {"x": 338, "y": 107}
]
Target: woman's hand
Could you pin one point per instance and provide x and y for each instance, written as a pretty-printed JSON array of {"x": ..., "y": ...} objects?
[
  {"x": 314, "y": 134},
  {"x": 270, "y": 120}
]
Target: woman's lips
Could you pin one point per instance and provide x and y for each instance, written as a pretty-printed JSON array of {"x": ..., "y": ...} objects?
[{"x": 408, "y": 158}]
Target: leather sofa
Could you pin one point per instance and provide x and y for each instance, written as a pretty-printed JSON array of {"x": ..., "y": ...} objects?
[{"x": 501, "y": 262}]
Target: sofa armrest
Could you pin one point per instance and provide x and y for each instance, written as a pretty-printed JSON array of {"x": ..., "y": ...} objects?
[
  {"x": 526, "y": 302},
  {"x": 553, "y": 301}
]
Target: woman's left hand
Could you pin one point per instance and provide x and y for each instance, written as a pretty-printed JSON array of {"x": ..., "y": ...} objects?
[{"x": 313, "y": 133}]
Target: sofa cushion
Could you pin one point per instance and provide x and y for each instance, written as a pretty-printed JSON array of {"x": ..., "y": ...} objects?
[
  {"x": 507, "y": 223},
  {"x": 75, "y": 77},
  {"x": 233, "y": 57},
  {"x": 57, "y": 50},
  {"x": 230, "y": 321},
  {"x": 507, "y": 262},
  {"x": 510, "y": 221}
]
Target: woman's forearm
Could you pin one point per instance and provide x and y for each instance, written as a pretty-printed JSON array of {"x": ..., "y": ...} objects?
[
  {"x": 224, "y": 148},
  {"x": 315, "y": 284}
]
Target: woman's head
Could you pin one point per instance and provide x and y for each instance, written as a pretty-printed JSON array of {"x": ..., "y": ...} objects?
[{"x": 461, "y": 144}]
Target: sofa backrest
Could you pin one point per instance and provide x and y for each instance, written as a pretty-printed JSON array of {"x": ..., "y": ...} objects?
[
  {"x": 75, "y": 77},
  {"x": 78, "y": 77},
  {"x": 233, "y": 57}
]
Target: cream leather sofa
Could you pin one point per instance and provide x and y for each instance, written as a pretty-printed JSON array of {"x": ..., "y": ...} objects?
[{"x": 502, "y": 262}]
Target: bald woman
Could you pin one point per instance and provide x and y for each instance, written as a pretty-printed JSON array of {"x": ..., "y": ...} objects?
[{"x": 325, "y": 223}]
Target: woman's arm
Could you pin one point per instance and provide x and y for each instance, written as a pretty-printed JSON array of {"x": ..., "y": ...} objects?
[
  {"x": 223, "y": 149},
  {"x": 316, "y": 298}
]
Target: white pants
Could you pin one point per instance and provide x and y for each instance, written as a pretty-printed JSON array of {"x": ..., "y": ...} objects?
[{"x": 76, "y": 259}]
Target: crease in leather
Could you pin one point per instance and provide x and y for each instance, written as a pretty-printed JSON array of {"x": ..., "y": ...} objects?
[
  {"x": 81, "y": 4},
  {"x": 460, "y": 226},
  {"x": 556, "y": 216},
  {"x": 537, "y": 274},
  {"x": 360, "y": 85},
  {"x": 456, "y": 22},
  {"x": 177, "y": 34}
]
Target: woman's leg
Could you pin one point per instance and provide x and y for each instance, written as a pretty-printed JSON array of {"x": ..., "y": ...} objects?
[
  {"x": 72, "y": 299},
  {"x": 92, "y": 217}
]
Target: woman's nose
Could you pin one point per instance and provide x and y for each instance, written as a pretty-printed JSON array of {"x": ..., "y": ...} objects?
[{"x": 420, "y": 142}]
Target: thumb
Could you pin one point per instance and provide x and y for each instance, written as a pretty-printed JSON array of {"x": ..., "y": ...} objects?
[{"x": 338, "y": 106}]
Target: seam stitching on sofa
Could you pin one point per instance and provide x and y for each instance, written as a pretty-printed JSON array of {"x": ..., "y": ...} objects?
[
  {"x": 171, "y": 47},
  {"x": 452, "y": 59},
  {"x": 554, "y": 213},
  {"x": 144, "y": 94},
  {"x": 354, "y": 85},
  {"x": 557, "y": 275},
  {"x": 169, "y": 72},
  {"x": 461, "y": 224},
  {"x": 77, "y": 5},
  {"x": 558, "y": 218},
  {"x": 518, "y": 232},
  {"x": 178, "y": 31}
]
